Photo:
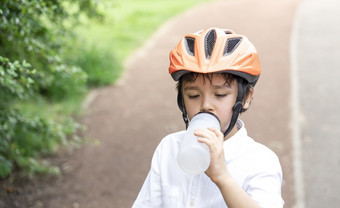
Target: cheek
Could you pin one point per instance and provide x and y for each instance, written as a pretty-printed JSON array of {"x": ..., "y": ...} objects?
[
  {"x": 225, "y": 117},
  {"x": 191, "y": 108}
]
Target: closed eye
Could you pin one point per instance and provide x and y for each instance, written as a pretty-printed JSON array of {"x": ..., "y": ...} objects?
[
  {"x": 221, "y": 95},
  {"x": 193, "y": 96}
]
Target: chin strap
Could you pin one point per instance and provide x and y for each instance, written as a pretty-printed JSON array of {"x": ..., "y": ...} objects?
[
  {"x": 181, "y": 106},
  {"x": 237, "y": 109}
]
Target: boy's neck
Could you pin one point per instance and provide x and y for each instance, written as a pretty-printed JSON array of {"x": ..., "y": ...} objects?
[{"x": 231, "y": 133}]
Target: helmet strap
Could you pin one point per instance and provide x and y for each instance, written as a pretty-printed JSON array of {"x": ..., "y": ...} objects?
[
  {"x": 180, "y": 104},
  {"x": 237, "y": 108}
]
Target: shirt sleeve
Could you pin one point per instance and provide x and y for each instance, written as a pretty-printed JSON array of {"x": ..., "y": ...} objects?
[
  {"x": 264, "y": 186},
  {"x": 150, "y": 196},
  {"x": 264, "y": 190}
]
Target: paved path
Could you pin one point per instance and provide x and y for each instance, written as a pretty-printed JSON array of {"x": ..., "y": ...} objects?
[
  {"x": 131, "y": 118},
  {"x": 292, "y": 113},
  {"x": 316, "y": 61}
]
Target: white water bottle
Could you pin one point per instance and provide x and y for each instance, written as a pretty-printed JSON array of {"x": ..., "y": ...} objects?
[{"x": 194, "y": 157}]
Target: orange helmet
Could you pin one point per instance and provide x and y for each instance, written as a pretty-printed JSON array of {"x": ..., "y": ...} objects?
[{"x": 215, "y": 50}]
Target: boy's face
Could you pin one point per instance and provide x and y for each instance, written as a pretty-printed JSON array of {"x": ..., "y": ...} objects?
[{"x": 217, "y": 97}]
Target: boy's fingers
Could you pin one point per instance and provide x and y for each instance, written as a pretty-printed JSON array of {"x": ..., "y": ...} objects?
[
  {"x": 205, "y": 141},
  {"x": 204, "y": 133},
  {"x": 209, "y": 137},
  {"x": 214, "y": 130},
  {"x": 217, "y": 132}
]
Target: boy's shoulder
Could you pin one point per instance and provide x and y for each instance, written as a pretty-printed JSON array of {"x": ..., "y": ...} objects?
[
  {"x": 170, "y": 144},
  {"x": 252, "y": 146},
  {"x": 175, "y": 134},
  {"x": 172, "y": 138},
  {"x": 245, "y": 146},
  {"x": 262, "y": 155}
]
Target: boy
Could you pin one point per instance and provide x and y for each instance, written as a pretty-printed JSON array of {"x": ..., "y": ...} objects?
[{"x": 216, "y": 71}]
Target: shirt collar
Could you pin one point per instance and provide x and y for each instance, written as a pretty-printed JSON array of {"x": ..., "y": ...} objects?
[{"x": 234, "y": 143}]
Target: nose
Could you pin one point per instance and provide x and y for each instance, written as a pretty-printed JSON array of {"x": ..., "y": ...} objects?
[{"x": 207, "y": 105}]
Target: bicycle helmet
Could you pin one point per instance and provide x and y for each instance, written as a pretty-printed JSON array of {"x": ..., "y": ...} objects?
[{"x": 215, "y": 50}]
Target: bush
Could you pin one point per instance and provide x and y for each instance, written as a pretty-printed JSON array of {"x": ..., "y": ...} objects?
[
  {"x": 16, "y": 82},
  {"x": 38, "y": 32},
  {"x": 33, "y": 36},
  {"x": 22, "y": 137}
]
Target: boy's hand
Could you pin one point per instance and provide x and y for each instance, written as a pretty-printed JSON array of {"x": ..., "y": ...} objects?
[{"x": 214, "y": 138}]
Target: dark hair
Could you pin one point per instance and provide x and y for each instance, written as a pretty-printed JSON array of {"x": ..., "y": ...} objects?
[{"x": 229, "y": 78}]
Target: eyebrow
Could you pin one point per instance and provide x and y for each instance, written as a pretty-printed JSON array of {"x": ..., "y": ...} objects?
[
  {"x": 190, "y": 88},
  {"x": 222, "y": 86},
  {"x": 214, "y": 86}
]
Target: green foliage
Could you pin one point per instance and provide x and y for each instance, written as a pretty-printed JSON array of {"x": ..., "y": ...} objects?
[
  {"x": 50, "y": 53},
  {"x": 37, "y": 31},
  {"x": 16, "y": 80},
  {"x": 16, "y": 84},
  {"x": 24, "y": 137},
  {"x": 33, "y": 36}
]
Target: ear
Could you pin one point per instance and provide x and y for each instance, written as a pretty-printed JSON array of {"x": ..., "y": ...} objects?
[{"x": 249, "y": 98}]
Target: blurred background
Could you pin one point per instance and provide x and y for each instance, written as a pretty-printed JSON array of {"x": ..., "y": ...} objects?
[
  {"x": 52, "y": 54},
  {"x": 85, "y": 94}
]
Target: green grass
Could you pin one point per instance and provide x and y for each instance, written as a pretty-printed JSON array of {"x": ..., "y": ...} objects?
[{"x": 127, "y": 25}]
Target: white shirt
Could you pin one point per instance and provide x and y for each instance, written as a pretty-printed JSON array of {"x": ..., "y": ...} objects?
[{"x": 252, "y": 165}]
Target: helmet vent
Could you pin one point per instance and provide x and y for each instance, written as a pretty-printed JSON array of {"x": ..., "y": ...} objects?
[
  {"x": 190, "y": 45},
  {"x": 231, "y": 45},
  {"x": 228, "y": 32},
  {"x": 210, "y": 40}
]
